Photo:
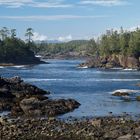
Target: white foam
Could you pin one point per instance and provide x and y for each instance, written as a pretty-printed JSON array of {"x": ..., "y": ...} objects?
[
  {"x": 117, "y": 68},
  {"x": 126, "y": 90},
  {"x": 18, "y": 66},
  {"x": 39, "y": 56},
  {"x": 1, "y": 67},
  {"x": 128, "y": 69},
  {"x": 38, "y": 80},
  {"x": 84, "y": 67},
  {"x": 79, "y": 80}
]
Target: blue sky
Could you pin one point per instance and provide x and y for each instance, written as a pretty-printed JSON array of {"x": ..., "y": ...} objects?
[{"x": 68, "y": 19}]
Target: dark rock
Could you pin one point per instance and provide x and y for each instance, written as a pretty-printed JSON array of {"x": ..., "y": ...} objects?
[
  {"x": 35, "y": 107},
  {"x": 22, "y": 98},
  {"x": 16, "y": 87},
  {"x": 121, "y": 94},
  {"x": 112, "y": 61},
  {"x": 138, "y": 98}
]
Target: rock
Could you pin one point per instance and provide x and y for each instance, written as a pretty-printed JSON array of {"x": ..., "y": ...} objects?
[
  {"x": 5, "y": 93},
  {"x": 35, "y": 107},
  {"x": 138, "y": 84},
  {"x": 15, "y": 80},
  {"x": 22, "y": 98},
  {"x": 121, "y": 94},
  {"x": 31, "y": 106},
  {"x": 15, "y": 87},
  {"x": 112, "y": 61},
  {"x": 111, "y": 134},
  {"x": 96, "y": 123},
  {"x": 138, "y": 98},
  {"x": 125, "y": 137},
  {"x": 137, "y": 131}
]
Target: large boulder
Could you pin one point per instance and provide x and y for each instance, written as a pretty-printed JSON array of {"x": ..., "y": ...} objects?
[
  {"x": 22, "y": 98},
  {"x": 35, "y": 107}
]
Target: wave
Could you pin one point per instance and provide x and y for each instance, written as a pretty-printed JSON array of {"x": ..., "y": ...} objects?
[
  {"x": 19, "y": 66},
  {"x": 38, "y": 80},
  {"x": 79, "y": 80},
  {"x": 39, "y": 56},
  {"x": 1, "y": 67},
  {"x": 130, "y": 91},
  {"x": 84, "y": 67},
  {"x": 128, "y": 69}
]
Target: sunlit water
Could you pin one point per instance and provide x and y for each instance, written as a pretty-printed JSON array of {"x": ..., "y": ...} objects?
[{"x": 91, "y": 87}]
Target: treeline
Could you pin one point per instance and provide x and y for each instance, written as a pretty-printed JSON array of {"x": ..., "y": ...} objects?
[
  {"x": 79, "y": 46},
  {"x": 112, "y": 42},
  {"x": 14, "y": 50},
  {"x": 121, "y": 42}
]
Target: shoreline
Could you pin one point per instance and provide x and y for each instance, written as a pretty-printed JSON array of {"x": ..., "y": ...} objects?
[{"x": 101, "y": 128}]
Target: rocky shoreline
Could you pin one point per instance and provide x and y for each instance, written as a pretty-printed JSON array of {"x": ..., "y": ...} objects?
[
  {"x": 114, "y": 61},
  {"x": 102, "y": 128},
  {"x": 23, "y": 99},
  {"x": 33, "y": 116},
  {"x": 22, "y": 63}
]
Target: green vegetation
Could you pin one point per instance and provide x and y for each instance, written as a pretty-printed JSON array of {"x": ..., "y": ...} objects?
[
  {"x": 71, "y": 46},
  {"x": 121, "y": 42},
  {"x": 75, "y": 47},
  {"x": 124, "y": 43},
  {"x": 14, "y": 50}
]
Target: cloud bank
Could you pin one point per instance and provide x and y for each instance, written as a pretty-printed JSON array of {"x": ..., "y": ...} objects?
[
  {"x": 60, "y": 3},
  {"x": 53, "y": 17}
]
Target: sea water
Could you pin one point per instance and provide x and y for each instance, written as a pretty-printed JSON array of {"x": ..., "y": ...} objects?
[{"x": 91, "y": 87}]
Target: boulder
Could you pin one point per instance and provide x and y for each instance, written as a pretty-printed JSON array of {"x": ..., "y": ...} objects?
[
  {"x": 35, "y": 107},
  {"x": 138, "y": 98},
  {"x": 125, "y": 137},
  {"x": 23, "y": 98},
  {"x": 120, "y": 94}
]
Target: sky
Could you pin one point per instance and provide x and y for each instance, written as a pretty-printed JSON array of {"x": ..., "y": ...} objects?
[{"x": 66, "y": 20}]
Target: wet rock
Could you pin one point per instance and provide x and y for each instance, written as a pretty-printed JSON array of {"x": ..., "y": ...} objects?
[
  {"x": 112, "y": 61},
  {"x": 96, "y": 123},
  {"x": 137, "y": 131},
  {"x": 125, "y": 137},
  {"x": 121, "y": 94},
  {"x": 138, "y": 84},
  {"x": 3, "y": 121},
  {"x": 138, "y": 98},
  {"x": 33, "y": 106},
  {"x": 22, "y": 98}
]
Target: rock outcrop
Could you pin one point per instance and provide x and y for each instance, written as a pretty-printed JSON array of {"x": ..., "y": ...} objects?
[
  {"x": 35, "y": 107},
  {"x": 113, "y": 61},
  {"x": 24, "y": 99}
]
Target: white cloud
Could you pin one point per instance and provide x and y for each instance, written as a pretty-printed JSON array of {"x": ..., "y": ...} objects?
[
  {"x": 53, "y": 17},
  {"x": 15, "y": 3},
  {"x": 39, "y": 37},
  {"x": 34, "y": 3},
  {"x": 104, "y": 2},
  {"x": 65, "y": 38},
  {"x": 133, "y": 28}
]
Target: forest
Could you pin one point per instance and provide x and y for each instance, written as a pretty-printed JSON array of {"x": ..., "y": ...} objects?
[
  {"x": 14, "y": 50},
  {"x": 120, "y": 42},
  {"x": 113, "y": 42}
]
